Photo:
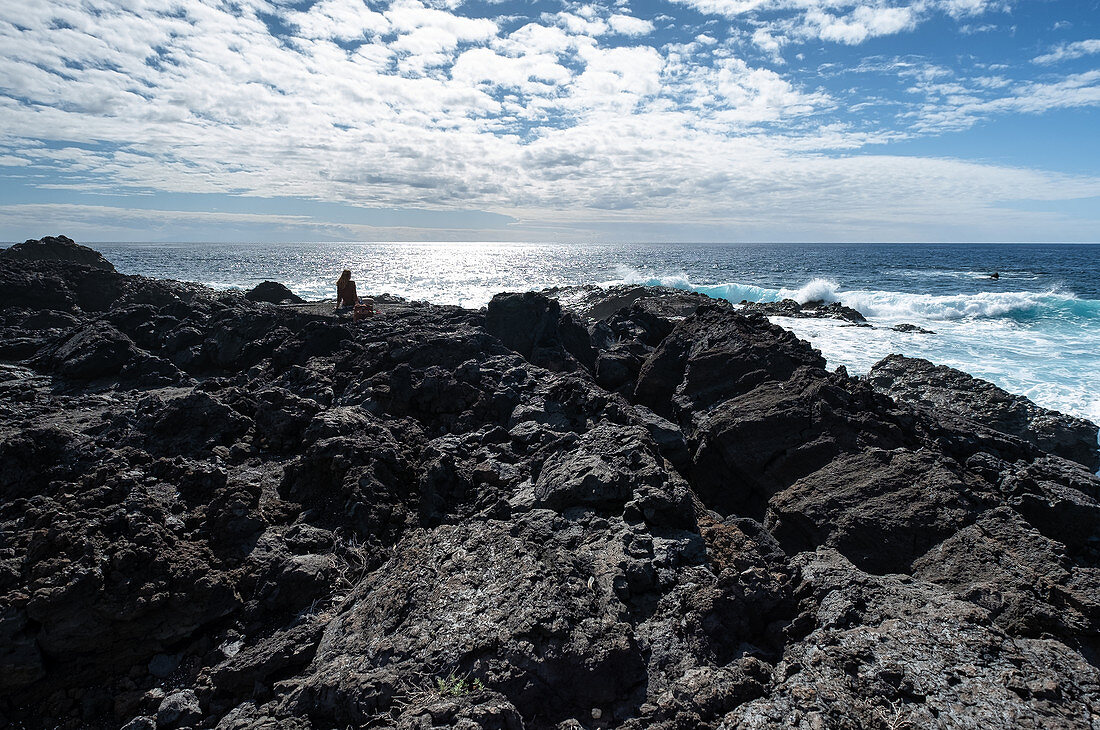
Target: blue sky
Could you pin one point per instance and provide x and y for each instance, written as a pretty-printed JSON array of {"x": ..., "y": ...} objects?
[{"x": 739, "y": 120}]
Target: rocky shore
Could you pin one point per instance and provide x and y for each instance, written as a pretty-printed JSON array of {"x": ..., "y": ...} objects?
[{"x": 581, "y": 510}]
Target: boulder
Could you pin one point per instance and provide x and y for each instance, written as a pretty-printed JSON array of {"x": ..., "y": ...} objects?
[
  {"x": 607, "y": 467},
  {"x": 810, "y": 310},
  {"x": 533, "y": 325},
  {"x": 195, "y": 422},
  {"x": 906, "y": 327},
  {"x": 179, "y": 709},
  {"x": 282, "y": 418},
  {"x": 274, "y": 293}
]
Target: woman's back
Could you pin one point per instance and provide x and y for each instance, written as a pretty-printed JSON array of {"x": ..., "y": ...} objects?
[{"x": 345, "y": 294}]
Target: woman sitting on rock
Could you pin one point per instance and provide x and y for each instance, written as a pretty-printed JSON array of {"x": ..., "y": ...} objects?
[{"x": 345, "y": 291}]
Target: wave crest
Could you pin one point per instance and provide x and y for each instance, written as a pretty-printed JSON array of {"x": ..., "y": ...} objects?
[{"x": 899, "y": 306}]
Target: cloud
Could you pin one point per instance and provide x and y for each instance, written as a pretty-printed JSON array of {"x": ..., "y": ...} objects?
[
  {"x": 572, "y": 121},
  {"x": 338, "y": 20},
  {"x": 629, "y": 25},
  {"x": 862, "y": 23},
  {"x": 117, "y": 223},
  {"x": 850, "y": 22},
  {"x": 955, "y": 106},
  {"x": 1069, "y": 51}
]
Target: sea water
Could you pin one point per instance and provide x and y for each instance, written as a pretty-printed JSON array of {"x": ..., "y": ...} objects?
[{"x": 1034, "y": 330}]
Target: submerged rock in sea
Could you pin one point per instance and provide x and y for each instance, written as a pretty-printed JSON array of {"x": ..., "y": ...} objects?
[
  {"x": 56, "y": 248},
  {"x": 646, "y": 510},
  {"x": 916, "y": 329},
  {"x": 937, "y": 386},
  {"x": 808, "y": 310}
]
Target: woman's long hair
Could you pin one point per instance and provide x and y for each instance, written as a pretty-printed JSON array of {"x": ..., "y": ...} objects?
[{"x": 344, "y": 278}]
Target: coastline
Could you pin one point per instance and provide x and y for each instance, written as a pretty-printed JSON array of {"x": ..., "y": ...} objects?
[
  {"x": 644, "y": 510},
  {"x": 1031, "y": 332}
]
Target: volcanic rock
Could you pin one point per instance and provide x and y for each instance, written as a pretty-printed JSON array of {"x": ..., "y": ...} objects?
[
  {"x": 630, "y": 508},
  {"x": 810, "y": 310},
  {"x": 906, "y": 327},
  {"x": 272, "y": 292},
  {"x": 56, "y": 248},
  {"x": 937, "y": 386}
]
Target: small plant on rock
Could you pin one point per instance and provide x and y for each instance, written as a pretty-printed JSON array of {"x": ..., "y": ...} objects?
[
  {"x": 456, "y": 686},
  {"x": 894, "y": 717}
]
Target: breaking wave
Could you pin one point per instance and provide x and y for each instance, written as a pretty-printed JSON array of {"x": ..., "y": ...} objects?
[{"x": 1020, "y": 305}]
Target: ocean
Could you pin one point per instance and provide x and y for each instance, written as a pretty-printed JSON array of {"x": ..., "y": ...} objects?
[{"x": 1035, "y": 330}]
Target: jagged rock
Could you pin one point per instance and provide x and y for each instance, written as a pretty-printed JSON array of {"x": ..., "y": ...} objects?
[
  {"x": 893, "y": 652},
  {"x": 95, "y": 351},
  {"x": 613, "y": 465},
  {"x": 56, "y": 248},
  {"x": 282, "y": 418},
  {"x": 47, "y": 320},
  {"x": 179, "y": 709},
  {"x": 714, "y": 355},
  {"x": 274, "y": 293},
  {"x": 881, "y": 509},
  {"x": 809, "y": 310},
  {"x": 189, "y": 423},
  {"x": 906, "y": 327},
  {"x": 938, "y": 386},
  {"x": 534, "y": 326},
  {"x": 411, "y": 522},
  {"x": 291, "y": 648},
  {"x": 667, "y": 435}
]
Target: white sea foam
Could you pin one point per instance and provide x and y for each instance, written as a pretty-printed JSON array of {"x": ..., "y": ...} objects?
[
  {"x": 902, "y": 306},
  {"x": 1040, "y": 344},
  {"x": 908, "y": 306},
  {"x": 817, "y": 290}
]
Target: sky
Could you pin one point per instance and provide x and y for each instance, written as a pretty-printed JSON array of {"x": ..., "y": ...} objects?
[{"x": 551, "y": 120}]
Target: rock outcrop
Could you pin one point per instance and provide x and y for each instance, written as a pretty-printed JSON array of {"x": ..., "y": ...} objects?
[
  {"x": 224, "y": 514},
  {"x": 56, "y": 248},
  {"x": 921, "y": 382}
]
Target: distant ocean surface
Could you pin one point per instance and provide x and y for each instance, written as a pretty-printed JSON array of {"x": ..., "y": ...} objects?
[{"x": 1035, "y": 330}]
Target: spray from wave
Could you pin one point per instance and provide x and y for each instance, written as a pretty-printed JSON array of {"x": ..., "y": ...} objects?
[{"x": 1018, "y": 305}]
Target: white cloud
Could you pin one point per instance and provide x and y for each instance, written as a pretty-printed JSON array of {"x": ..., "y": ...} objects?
[
  {"x": 850, "y": 22},
  {"x": 768, "y": 42},
  {"x": 954, "y": 106},
  {"x": 556, "y": 122},
  {"x": 862, "y": 23},
  {"x": 964, "y": 8},
  {"x": 529, "y": 72},
  {"x": 629, "y": 25},
  {"x": 1070, "y": 51},
  {"x": 338, "y": 19}
]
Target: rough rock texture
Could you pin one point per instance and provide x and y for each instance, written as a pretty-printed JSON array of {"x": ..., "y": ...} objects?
[
  {"x": 56, "y": 248},
  {"x": 274, "y": 293},
  {"x": 911, "y": 328},
  {"x": 639, "y": 510},
  {"x": 809, "y": 310},
  {"x": 937, "y": 386}
]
